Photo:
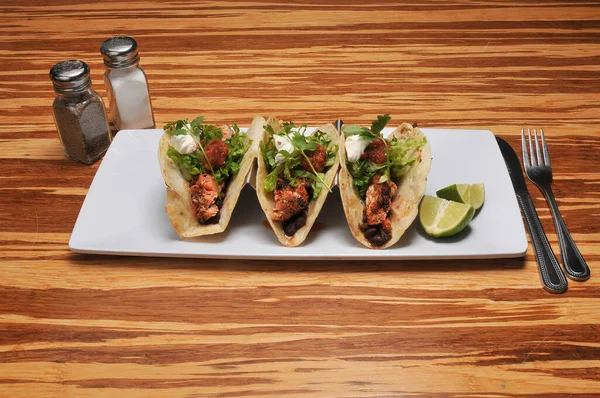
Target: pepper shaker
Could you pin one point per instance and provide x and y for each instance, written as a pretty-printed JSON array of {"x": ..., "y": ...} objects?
[
  {"x": 126, "y": 85},
  {"x": 79, "y": 112}
]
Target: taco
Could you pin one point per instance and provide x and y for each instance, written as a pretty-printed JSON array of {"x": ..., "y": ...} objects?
[
  {"x": 382, "y": 180},
  {"x": 205, "y": 168},
  {"x": 295, "y": 174}
]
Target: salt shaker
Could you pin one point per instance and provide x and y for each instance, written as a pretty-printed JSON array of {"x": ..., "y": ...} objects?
[
  {"x": 79, "y": 112},
  {"x": 126, "y": 85}
]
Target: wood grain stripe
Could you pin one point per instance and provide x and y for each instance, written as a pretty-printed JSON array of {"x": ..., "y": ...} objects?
[{"x": 107, "y": 326}]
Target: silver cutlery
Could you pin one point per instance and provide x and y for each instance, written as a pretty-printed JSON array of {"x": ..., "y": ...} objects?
[
  {"x": 553, "y": 279},
  {"x": 539, "y": 171}
]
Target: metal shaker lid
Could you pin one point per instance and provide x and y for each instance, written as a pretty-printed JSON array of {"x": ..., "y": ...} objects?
[
  {"x": 119, "y": 51},
  {"x": 70, "y": 76}
]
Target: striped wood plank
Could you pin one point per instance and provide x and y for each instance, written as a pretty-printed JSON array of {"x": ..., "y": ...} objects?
[{"x": 82, "y": 325}]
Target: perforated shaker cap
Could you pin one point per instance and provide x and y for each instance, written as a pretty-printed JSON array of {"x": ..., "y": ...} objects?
[
  {"x": 70, "y": 76},
  {"x": 119, "y": 52}
]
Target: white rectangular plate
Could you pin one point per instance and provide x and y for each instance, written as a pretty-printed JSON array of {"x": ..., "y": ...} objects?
[{"x": 124, "y": 214}]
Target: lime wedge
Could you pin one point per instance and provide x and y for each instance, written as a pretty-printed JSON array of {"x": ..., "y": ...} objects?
[
  {"x": 440, "y": 217},
  {"x": 464, "y": 193},
  {"x": 477, "y": 196}
]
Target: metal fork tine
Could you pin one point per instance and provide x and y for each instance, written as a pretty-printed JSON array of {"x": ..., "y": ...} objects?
[
  {"x": 545, "y": 149},
  {"x": 540, "y": 161},
  {"x": 524, "y": 147},
  {"x": 533, "y": 160},
  {"x": 539, "y": 172}
]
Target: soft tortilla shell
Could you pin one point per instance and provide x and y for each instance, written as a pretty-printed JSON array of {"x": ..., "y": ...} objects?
[
  {"x": 267, "y": 200},
  {"x": 178, "y": 206},
  {"x": 405, "y": 205}
]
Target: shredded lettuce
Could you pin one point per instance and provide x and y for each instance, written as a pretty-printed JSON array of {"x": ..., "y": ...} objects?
[
  {"x": 291, "y": 167},
  {"x": 191, "y": 164},
  {"x": 399, "y": 156}
]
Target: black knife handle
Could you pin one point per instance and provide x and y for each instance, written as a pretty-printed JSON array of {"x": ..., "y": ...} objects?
[{"x": 553, "y": 279}]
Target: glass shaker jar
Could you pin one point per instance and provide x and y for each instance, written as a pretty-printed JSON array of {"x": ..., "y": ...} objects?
[
  {"x": 126, "y": 85},
  {"x": 79, "y": 112}
]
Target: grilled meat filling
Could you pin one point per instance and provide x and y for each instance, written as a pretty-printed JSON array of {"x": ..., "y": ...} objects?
[
  {"x": 379, "y": 200},
  {"x": 227, "y": 131},
  {"x": 291, "y": 205},
  {"x": 318, "y": 159},
  {"x": 205, "y": 199},
  {"x": 375, "y": 151},
  {"x": 376, "y": 225}
]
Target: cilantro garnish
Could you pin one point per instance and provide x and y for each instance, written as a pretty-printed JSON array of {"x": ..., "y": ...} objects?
[
  {"x": 290, "y": 168},
  {"x": 399, "y": 155},
  {"x": 380, "y": 123},
  {"x": 192, "y": 164}
]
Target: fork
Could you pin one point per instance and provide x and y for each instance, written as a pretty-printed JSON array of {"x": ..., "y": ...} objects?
[{"x": 539, "y": 172}]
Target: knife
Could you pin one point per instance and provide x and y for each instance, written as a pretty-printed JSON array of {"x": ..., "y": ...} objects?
[{"x": 553, "y": 279}]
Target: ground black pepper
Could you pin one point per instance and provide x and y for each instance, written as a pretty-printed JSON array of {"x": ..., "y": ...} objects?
[{"x": 79, "y": 113}]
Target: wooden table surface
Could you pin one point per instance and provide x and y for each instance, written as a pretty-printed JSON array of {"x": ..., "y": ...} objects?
[{"x": 100, "y": 326}]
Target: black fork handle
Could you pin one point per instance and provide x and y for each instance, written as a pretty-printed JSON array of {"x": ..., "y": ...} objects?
[
  {"x": 553, "y": 279},
  {"x": 575, "y": 266}
]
